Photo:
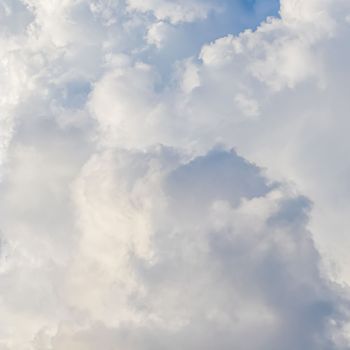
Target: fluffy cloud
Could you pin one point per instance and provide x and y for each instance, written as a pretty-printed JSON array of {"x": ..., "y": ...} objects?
[
  {"x": 293, "y": 78},
  {"x": 192, "y": 253},
  {"x": 124, "y": 225}
]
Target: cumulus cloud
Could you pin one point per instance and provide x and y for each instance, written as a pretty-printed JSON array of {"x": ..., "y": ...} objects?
[
  {"x": 186, "y": 253},
  {"x": 127, "y": 220},
  {"x": 295, "y": 80}
]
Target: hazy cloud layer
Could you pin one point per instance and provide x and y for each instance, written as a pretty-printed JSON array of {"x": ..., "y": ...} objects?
[{"x": 127, "y": 220}]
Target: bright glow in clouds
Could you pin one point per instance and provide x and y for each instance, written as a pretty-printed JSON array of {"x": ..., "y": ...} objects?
[{"x": 162, "y": 188}]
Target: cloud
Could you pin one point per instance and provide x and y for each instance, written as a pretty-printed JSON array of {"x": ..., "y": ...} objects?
[
  {"x": 126, "y": 220},
  {"x": 183, "y": 259},
  {"x": 293, "y": 75},
  {"x": 159, "y": 33}
]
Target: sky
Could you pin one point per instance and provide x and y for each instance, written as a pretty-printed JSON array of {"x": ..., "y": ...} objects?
[{"x": 174, "y": 174}]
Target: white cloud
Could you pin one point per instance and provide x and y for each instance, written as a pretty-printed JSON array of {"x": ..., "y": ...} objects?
[
  {"x": 123, "y": 224},
  {"x": 294, "y": 70},
  {"x": 227, "y": 265},
  {"x": 159, "y": 33}
]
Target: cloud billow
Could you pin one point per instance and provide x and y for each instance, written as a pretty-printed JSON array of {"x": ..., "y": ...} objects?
[
  {"x": 195, "y": 268},
  {"x": 126, "y": 219}
]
